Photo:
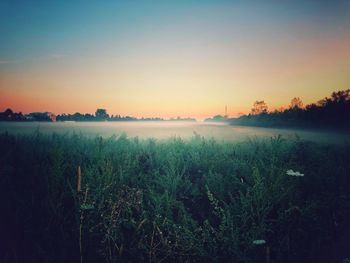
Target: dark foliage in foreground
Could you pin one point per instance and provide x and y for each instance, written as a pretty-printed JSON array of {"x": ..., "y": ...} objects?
[
  {"x": 332, "y": 112},
  {"x": 172, "y": 201}
]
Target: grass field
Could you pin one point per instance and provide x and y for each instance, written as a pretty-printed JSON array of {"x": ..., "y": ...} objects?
[{"x": 70, "y": 198}]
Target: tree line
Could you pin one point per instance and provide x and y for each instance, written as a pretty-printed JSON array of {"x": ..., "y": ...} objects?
[
  {"x": 333, "y": 111},
  {"x": 100, "y": 115}
]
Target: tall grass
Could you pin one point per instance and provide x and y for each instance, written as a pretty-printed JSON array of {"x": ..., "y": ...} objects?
[{"x": 68, "y": 198}]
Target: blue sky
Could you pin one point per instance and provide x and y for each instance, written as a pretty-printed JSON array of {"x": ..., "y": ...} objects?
[{"x": 33, "y": 28}]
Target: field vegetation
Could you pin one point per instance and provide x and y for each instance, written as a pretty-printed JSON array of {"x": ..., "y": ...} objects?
[{"x": 69, "y": 198}]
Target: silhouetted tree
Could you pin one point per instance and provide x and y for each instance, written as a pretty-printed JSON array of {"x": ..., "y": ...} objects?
[
  {"x": 7, "y": 115},
  {"x": 89, "y": 117},
  {"x": 39, "y": 116},
  {"x": 101, "y": 114},
  {"x": 341, "y": 96},
  {"x": 217, "y": 118},
  {"x": 296, "y": 103},
  {"x": 259, "y": 107}
]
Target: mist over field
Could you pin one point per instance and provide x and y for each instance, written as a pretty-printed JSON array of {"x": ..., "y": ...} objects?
[{"x": 184, "y": 130}]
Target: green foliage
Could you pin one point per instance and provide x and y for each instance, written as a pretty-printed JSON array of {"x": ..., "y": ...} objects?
[
  {"x": 86, "y": 207},
  {"x": 173, "y": 200}
]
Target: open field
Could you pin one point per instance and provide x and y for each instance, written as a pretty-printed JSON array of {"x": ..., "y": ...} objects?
[
  {"x": 163, "y": 130},
  {"x": 72, "y": 198}
]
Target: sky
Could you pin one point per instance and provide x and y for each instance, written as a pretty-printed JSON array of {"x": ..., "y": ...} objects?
[{"x": 170, "y": 58}]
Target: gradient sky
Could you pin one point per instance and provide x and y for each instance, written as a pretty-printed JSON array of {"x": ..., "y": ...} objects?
[{"x": 170, "y": 58}]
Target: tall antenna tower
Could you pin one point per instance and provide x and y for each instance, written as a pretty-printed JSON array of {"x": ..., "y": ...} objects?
[{"x": 225, "y": 110}]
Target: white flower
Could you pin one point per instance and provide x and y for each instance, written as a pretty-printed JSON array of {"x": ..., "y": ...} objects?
[{"x": 292, "y": 173}]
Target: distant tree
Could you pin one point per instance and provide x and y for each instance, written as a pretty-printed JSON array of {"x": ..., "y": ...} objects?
[
  {"x": 341, "y": 96},
  {"x": 101, "y": 114},
  {"x": 338, "y": 97},
  {"x": 78, "y": 116},
  {"x": 259, "y": 107},
  {"x": 8, "y": 113},
  {"x": 296, "y": 103},
  {"x": 281, "y": 109},
  {"x": 39, "y": 116},
  {"x": 89, "y": 117},
  {"x": 216, "y": 118}
]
